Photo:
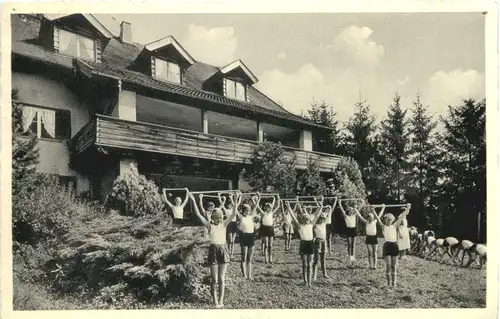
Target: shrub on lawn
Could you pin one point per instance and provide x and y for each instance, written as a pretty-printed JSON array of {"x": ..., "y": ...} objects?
[
  {"x": 123, "y": 260},
  {"x": 134, "y": 195}
]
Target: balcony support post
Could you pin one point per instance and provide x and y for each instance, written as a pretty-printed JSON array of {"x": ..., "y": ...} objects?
[
  {"x": 204, "y": 121},
  {"x": 260, "y": 132}
]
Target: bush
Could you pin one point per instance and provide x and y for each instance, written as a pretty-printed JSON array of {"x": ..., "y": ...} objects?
[
  {"x": 134, "y": 195},
  {"x": 126, "y": 260},
  {"x": 309, "y": 181},
  {"x": 43, "y": 210}
]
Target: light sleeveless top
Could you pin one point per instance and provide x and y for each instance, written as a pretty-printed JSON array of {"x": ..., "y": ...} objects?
[
  {"x": 267, "y": 219},
  {"x": 306, "y": 232},
  {"x": 350, "y": 221},
  {"x": 440, "y": 242},
  {"x": 217, "y": 234},
  {"x": 288, "y": 219},
  {"x": 329, "y": 218},
  {"x": 320, "y": 230},
  {"x": 466, "y": 244},
  {"x": 178, "y": 212},
  {"x": 390, "y": 234},
  {"x": 451, "y": 241},
  {"x": 246, "y": 224},
  {"x": 371, "y": 228},
  {"x": 481, "y": 249}
]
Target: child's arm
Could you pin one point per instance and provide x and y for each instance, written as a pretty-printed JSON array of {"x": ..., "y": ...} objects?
[
  {"x": 294, "y": 218},
  {"x": 402, "y": 215},
  {"x": 166, "y": 199},
  {"x": 234, "y": 201},
  {"x": 379, "y": 216},
  {"x": 359, "y": 215},
  {"x": 342, "y": 209},
  {"x": 185, "y": 198},
  {"x": 222, "y": 201},
  {"x": 273, "y": 202},
  {"x": 318, "y": 213},
  {"x": 278, "y": 206},
  {"x": 197, "y": 212},
  {"x": 201, "y": 203}
]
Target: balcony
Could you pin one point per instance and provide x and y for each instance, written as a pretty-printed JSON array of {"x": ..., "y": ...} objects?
[{"x": 116, "y": 133}]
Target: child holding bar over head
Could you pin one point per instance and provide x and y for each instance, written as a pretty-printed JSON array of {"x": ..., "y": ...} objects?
[
  {"x": 267, "y": 230},
  {"x": 320, "y": 240},
  {"x": 305, "y": 225},
  {"x": 371, "y": 240},
  {"x": 329, "y": 224},
  {"x": 288, "y": 224},
  {"x": 177, "y": 207},
  {"x": 351, "y": 232},
  {"x": 247, "y": 237},
  {"x": 232, "y": 228},
  {"x": 390, "y": 248},
  {"x": 218, "y": 255}
]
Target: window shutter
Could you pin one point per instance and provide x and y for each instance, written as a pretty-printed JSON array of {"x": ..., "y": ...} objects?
[
  {"x": 153, "y": 66},
  {"x": 56, "y": 39},
  {"x": 63, "y": 124},
  {"x": 98, "y": 51},
  {"x": 225, "y": 87}
]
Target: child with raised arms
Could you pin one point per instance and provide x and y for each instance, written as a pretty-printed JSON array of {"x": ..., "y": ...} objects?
[
  {"x": 177, "y": 207},
  {"x": 247, "y": 237},
  {"x": 350, "y": 218},
  {"x": 371, "y": 239},
  {"x": 218, "y": 254},
  {"x": 305, "y": 225},
  {"x": 319, "y": 230},
  {"x": 267, "y": 231},
  {"x": 390, "y": 248}
]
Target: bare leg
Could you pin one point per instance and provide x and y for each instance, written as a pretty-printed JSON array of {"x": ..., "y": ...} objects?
[
  {"x": 394, "y": 267},
  {"x": 222, "y": 283},
  {"x": 315, "y": 265},
  {"x": 249, "y": 262},
  {"x": 370, "y": 252},
  {"x": 309, "y": 269},
  {"x": 375, "y": 256},
  {"x": 388, "y": 269},
  {"x": 353, "y": 247},
  {"x": 349, "y": 246},
  {"x": 270, "y": 249},
  {"x": 232, "y": 238},
  {"x": 304, "y": 268},
  {"x": 265, "y": 241},
  {"x": 244, "y": 261},
  {"x": 322, "y": 257},
  {"x": 214, "y": 272}
]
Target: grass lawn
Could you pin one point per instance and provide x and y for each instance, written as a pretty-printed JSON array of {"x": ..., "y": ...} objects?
[{"x": 421, "y": 283}]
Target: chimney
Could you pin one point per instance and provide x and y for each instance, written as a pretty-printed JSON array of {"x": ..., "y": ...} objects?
[{"x": 126, "y": 32}]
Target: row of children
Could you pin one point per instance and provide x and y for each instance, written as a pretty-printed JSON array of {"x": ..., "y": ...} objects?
[
  {"x": 426, "y": 245},
  {"x": 311, "y": 225}
]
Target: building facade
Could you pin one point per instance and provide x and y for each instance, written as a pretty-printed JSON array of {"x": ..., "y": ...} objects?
[{"x": 100, "y": 102}]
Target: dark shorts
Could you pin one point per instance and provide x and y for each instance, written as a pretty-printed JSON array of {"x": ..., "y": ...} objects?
[
  {"x": 371, "y": 240},
  {"x": 218, "y": 254},
  {"x": 267, "y": 231},
  {"x": 232, "y": 228},
  {"x": 351, "y": 232},
  {"x": 390, "y": 249},
  {"x": 179, "y": 221},
  {"x": 306, "y": 247},
  {"x": 247, "y": 239}
]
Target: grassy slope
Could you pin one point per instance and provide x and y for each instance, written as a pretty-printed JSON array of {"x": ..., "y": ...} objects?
[{"x": 422, "y": 284}]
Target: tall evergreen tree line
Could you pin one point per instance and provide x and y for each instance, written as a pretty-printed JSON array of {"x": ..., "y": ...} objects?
[{"x": 405, "y": 158}]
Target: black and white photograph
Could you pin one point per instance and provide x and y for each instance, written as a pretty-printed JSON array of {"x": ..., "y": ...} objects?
[{"x": 250, "y": 160}]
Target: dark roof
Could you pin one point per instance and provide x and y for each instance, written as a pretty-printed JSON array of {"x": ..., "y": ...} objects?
[{"x": 117, "y": 56}]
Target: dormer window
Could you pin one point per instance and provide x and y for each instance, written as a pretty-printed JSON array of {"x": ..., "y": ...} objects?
[
  {"x": 235, "y": 90},
  {"x": 76, "y": 45},
  {"x": 166, "y": 71}
]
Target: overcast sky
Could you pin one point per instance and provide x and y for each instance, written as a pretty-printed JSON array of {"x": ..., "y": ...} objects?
[{"x": 333, "y": 57}]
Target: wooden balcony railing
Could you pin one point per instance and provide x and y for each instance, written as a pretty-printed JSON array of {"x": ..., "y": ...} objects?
[{"x": 117, "y": 133}]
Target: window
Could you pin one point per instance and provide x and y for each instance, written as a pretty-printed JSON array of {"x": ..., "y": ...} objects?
[
  {"x": 77, "y": 45},
  {"x": 168, "y": 71},
  {"x": 235, "y": 90},
  {"x": 46, "y": 123},
  {"x": 67, "y": 181}
]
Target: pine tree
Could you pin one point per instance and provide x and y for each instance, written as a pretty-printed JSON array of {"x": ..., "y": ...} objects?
[
  {"x": 326, "y": 142},
  {"x": 424, "y": 173},
  {"x": 393, "y": 149},
  {"x": 359, "y": 141},
  {"x": 24, "y": 147},
  {"x": 463, "y": 163}
]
